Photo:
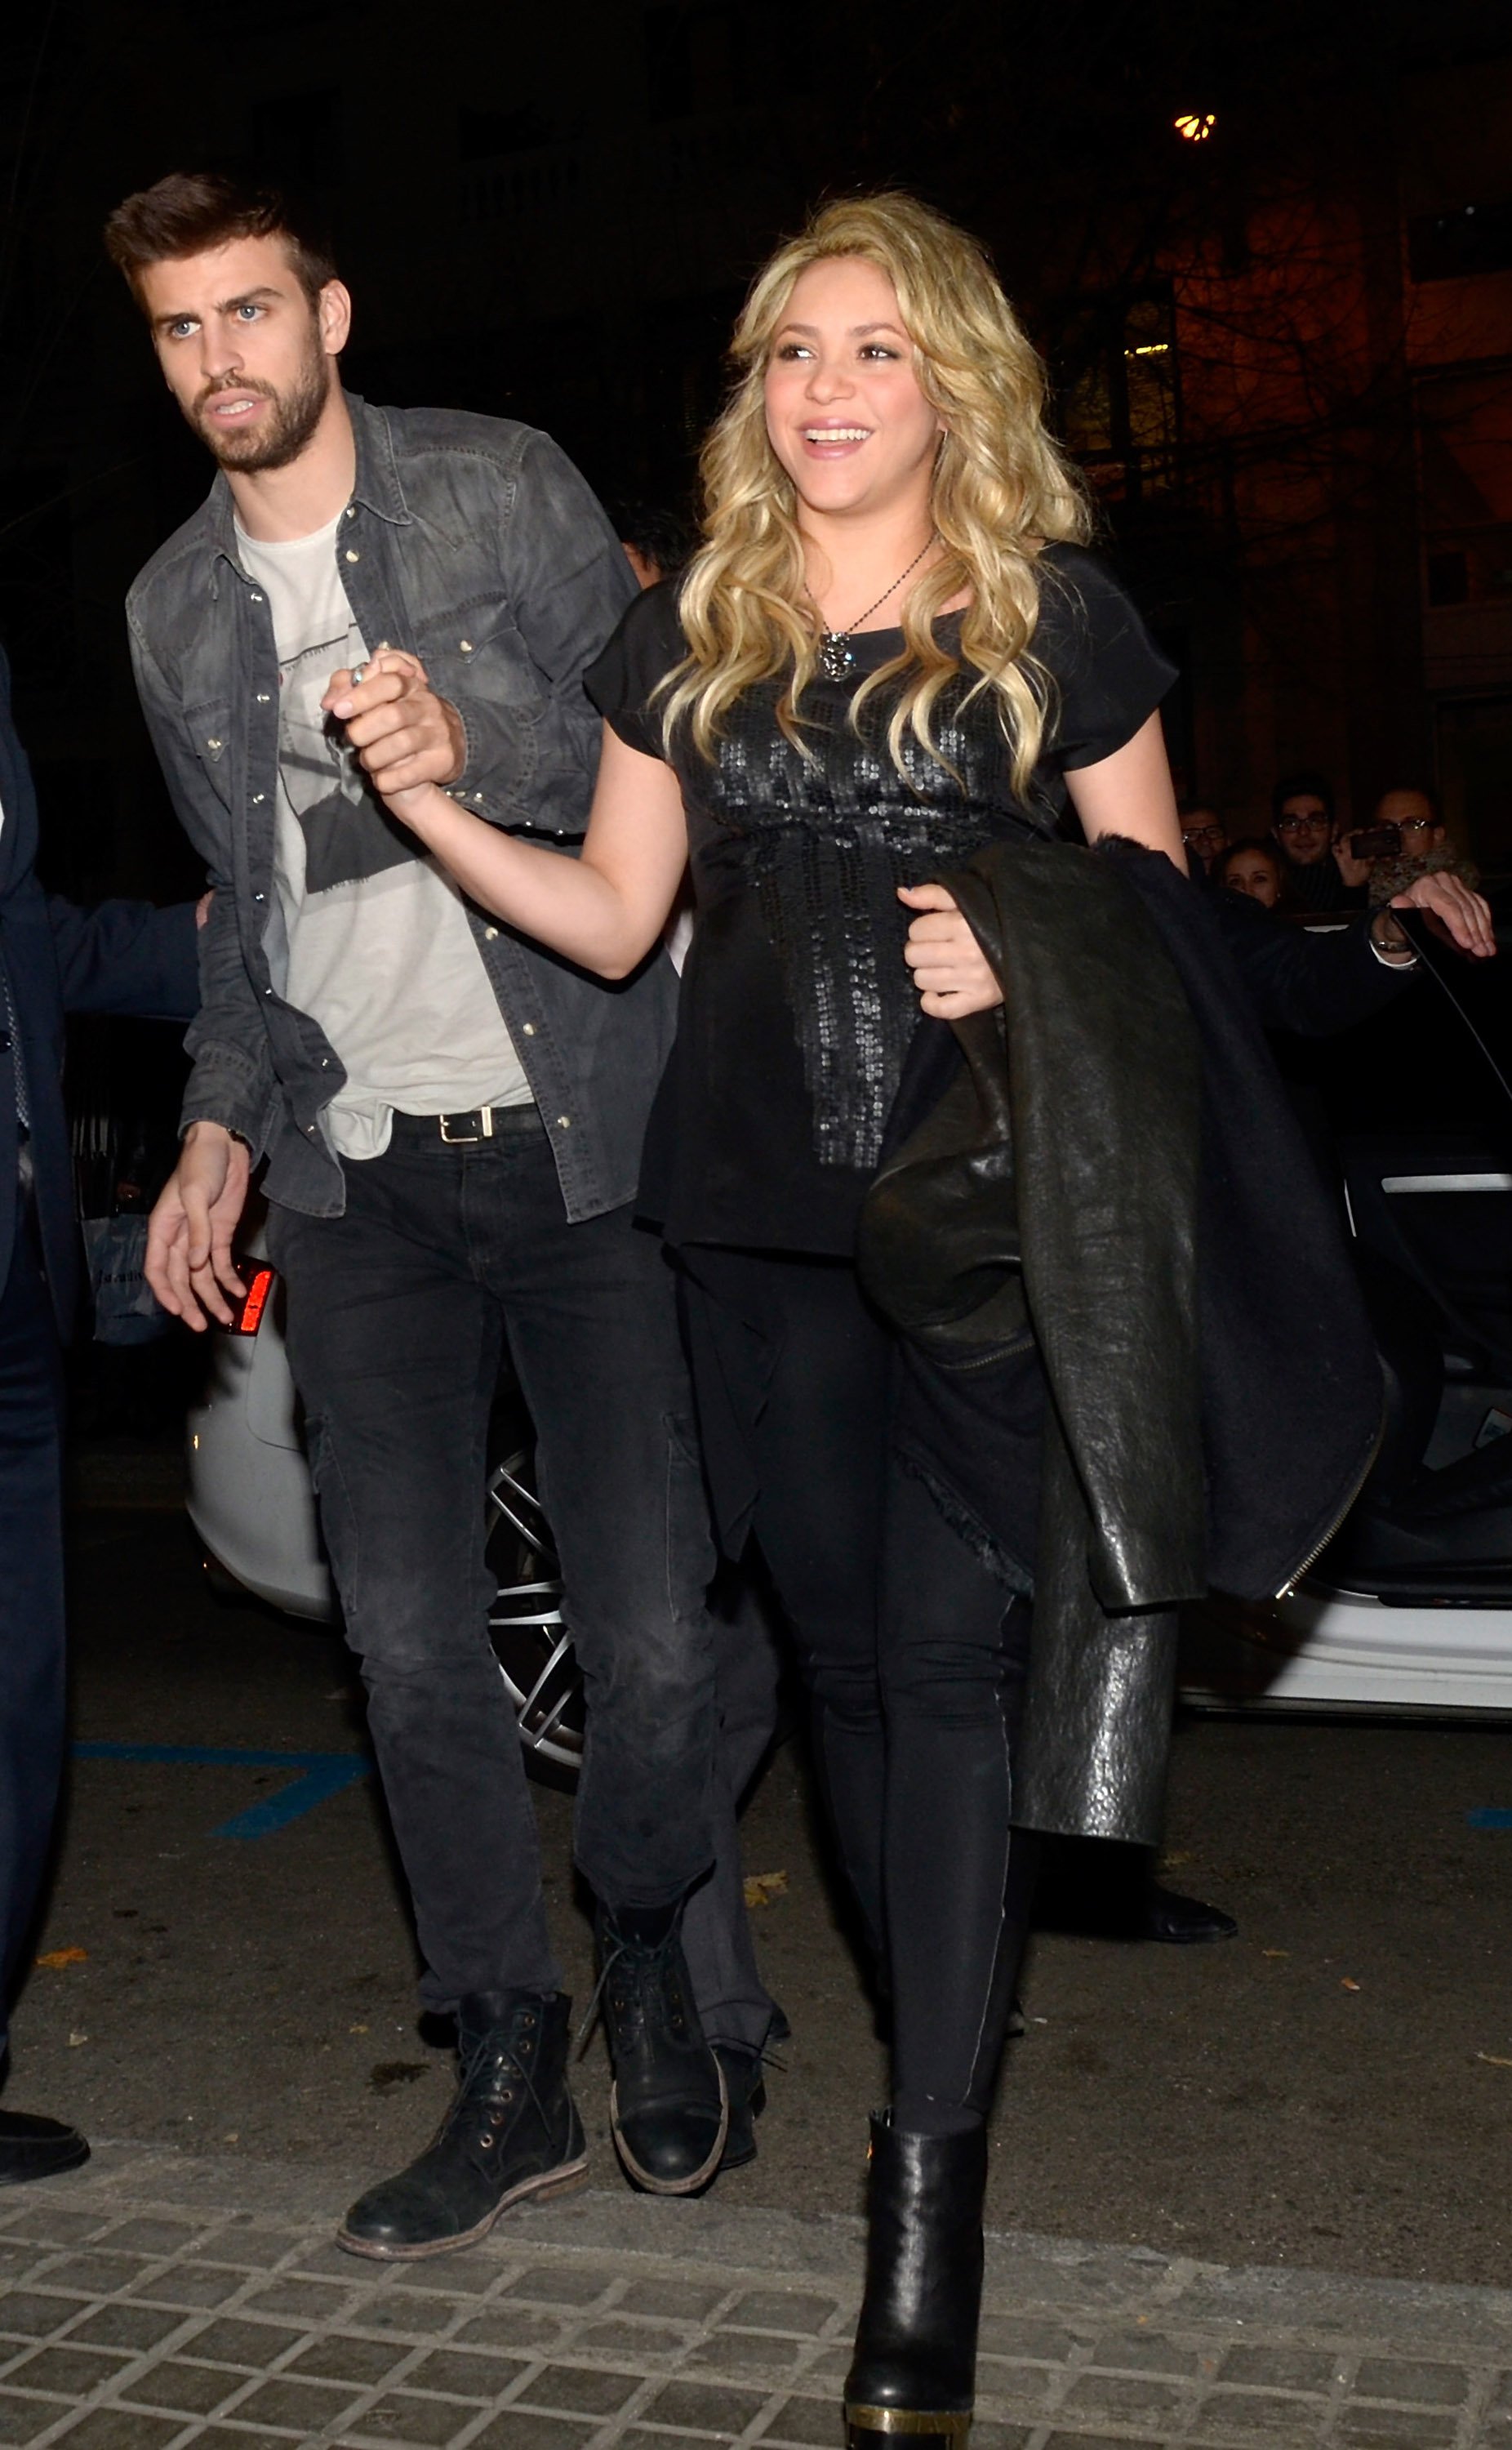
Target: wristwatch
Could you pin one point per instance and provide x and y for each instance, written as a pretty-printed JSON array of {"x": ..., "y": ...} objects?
[{"x": 1395, "y": 952}]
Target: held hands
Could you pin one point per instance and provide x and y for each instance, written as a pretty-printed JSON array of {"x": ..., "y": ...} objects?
[
  {"x": 404, "y": 734},
  {"x": 188, "y": 1262},
  {"x": 1445, "y": 896},
  {"x": 950, "y": 969}
]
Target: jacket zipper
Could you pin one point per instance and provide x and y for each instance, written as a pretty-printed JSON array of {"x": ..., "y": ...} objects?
[{"x": 1318, "y": 1546}]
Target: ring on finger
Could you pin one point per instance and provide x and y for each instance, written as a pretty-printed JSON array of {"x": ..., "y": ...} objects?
[{"x": 358, "y": 675}]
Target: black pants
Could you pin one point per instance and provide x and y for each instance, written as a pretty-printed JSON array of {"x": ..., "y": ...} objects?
[
  {"x": 31, "y": 1655},
  {"x": 395, "y": 1315},
  {"x": 914, "y": 1651}
]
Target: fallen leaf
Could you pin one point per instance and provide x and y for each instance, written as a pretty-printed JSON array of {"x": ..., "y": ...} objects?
[
  {"x": 1275, "y": 1951},
  {"x": 65, "y": 1956},
  {"x": 1487, "y": 2060},
  {"x": 76, "y": 2041},
  {"x": 1348, "y": 1985},
  {"x": 234, "y": 2137},
  {"x": 1172, "y": 1862},
  {"x": 357, "y": 2029},
  {"x": 763, "y": 1886},
  {"x": 392, "y": 2071}
]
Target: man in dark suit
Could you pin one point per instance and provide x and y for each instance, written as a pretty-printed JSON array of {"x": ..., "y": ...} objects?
[{"x": 123, "y": 957}]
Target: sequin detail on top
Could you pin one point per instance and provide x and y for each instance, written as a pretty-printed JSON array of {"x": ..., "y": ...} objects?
[{"x": 823, "y": 843}]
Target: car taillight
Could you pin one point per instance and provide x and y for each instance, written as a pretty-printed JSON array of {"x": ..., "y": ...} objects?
[{"x": 249, "y": 1318}]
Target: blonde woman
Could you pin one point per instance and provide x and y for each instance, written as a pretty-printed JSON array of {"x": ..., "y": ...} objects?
[{"x": 891, "y": 650}]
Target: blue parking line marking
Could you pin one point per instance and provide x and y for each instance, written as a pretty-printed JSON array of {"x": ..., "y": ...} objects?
[
  {"x": 321, "y": 1775},
  {"x": 1491, "y": 1816}
]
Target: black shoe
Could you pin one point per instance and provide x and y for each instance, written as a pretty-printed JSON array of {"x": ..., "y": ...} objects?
[
  {"x": 1184, "y": 1921},
  {"x": 668, "y": 2108},
  {"x": 37, "y": 2147},
  {"x": 913, "y": 2370},
  {"x": 745, "y": 2092},
  {"x": 511, "y": 2132}
]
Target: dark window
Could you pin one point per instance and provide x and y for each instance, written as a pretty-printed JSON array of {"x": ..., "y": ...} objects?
[
  {"x": 1453, "y": 247},
  {"x": 1448, "y": 579},
  {"x": 1120, "y": 398},
  {"x": 1149, "y": 384}
]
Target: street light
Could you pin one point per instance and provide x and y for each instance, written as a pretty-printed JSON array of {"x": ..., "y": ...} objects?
[{"x": 1195, "y": 127}]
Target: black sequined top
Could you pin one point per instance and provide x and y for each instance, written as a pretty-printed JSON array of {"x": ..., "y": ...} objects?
[{"x": 797, "y": 1006}]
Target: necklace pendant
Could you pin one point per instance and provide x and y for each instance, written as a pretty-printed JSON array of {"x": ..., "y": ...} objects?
[{"x": 834, "y": 658}]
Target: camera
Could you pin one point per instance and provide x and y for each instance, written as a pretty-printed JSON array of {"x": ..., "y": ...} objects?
[{"x": 1376, "y": 842}]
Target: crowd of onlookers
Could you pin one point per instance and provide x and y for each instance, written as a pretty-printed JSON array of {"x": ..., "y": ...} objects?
[{"x": 1310, "y": 861}]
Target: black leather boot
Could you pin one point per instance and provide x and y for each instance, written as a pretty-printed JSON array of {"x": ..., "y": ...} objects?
[
  {"x": 511, "y": 2132},
  {"x": 913, "y": 2370},
  {"x": 668, "y": 2112}
]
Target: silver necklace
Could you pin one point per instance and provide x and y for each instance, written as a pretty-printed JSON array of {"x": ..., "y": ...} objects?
[{"x": 834, "y": 658}]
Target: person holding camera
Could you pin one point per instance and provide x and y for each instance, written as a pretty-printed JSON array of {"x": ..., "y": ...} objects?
[{"x": 1413, "y": 843}]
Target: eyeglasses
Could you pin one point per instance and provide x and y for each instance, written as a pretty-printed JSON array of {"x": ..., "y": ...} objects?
[
  {"x": 1417, "y": 825},
  {"x": 1303, "y": 825},
  {"x": 1203, "y": 833}
]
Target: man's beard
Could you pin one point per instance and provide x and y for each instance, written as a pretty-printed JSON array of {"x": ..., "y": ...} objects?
[{"x": 276, "y": 439}]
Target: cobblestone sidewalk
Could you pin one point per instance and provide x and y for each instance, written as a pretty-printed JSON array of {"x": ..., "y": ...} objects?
[{"x": 154, "y": 2300}]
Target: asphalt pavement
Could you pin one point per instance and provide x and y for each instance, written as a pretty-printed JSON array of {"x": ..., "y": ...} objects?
[{"x": 227, "y": 1969}]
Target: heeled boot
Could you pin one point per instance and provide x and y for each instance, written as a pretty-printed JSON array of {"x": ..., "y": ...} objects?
[{"x": 914, "y": 2366}]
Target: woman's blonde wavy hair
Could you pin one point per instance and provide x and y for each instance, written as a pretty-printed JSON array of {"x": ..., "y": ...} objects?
[{"x": 1002, "y": 487}]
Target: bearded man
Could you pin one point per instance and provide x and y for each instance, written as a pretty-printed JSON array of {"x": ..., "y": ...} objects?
[{"x": 450, "y": 1121}]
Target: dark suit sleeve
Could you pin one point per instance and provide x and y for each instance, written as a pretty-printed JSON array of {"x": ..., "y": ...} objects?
[
  {"x": 1310, "y": 984},
  {"x": 126, "y": 958}
]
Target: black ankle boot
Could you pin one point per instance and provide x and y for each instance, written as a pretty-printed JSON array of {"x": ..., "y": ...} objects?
[
  {"x": 669, "y": 2112},
  {"x": 914, "y": 2366},
  {"x": 511, "y": 2132}
]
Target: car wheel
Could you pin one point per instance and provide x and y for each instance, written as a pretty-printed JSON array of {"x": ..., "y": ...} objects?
[{"x": 531, "y": 1641}]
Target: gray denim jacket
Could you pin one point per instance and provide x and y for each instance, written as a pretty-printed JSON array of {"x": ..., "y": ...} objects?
[{"x": 474, "y": 542}]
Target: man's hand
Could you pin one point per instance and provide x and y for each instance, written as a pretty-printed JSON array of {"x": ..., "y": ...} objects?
[
  {"x": 403, "y": 733},
  {"x": 1355, "y": 871},
  {"x": 950, "y": 969},
  {"x": 1445, "y": 896},
  {"x": 188, "y": 1263}
]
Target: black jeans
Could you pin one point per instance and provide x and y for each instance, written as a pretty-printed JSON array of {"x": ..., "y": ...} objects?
[
  {"x": 914, "y": 1651},
  {"x": 395, "y": 1315}
]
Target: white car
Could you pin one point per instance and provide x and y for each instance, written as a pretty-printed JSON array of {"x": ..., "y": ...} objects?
[{"x": 1409, "y": 1609}]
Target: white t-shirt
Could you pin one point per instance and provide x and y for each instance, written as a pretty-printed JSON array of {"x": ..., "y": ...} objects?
[{"x": 386, "y": 962}]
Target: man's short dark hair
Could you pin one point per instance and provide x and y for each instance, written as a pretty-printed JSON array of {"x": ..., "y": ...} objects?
[
  {"x": 1299, "y": 786},
  {"x": 656, "y": 530},
  {"x": 192, "y": 210},
  {"x": 1420, "y": 790}
]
